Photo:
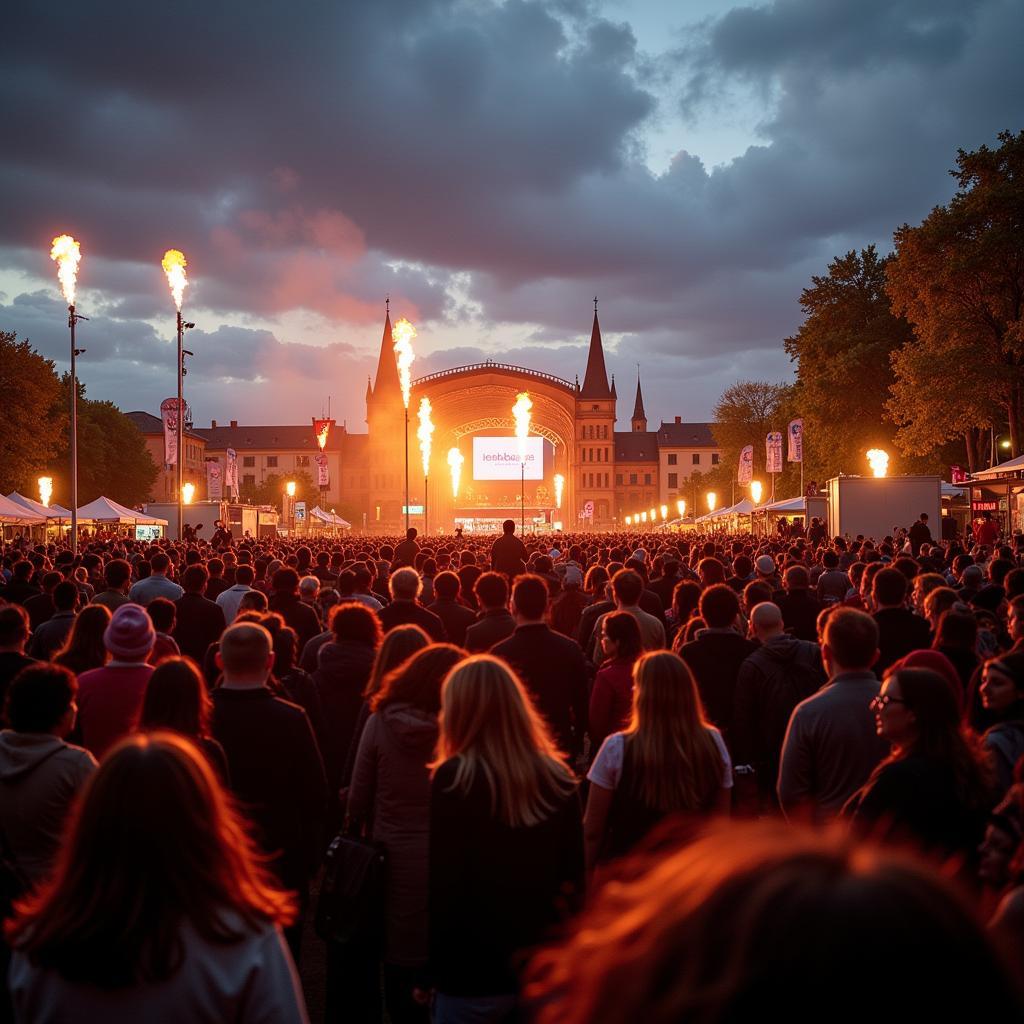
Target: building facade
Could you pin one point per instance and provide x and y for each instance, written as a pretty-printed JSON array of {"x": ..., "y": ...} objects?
[{"x": 607, "y": 474}]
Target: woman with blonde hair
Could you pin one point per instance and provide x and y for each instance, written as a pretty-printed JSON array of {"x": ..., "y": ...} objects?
[
  {"x": 506, "y": 843},
  {"x": 159, "y": 907},
  {"x": 670, "y": 760}
]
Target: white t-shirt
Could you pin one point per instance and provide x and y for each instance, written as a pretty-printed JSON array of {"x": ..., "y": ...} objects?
[{"x": 606, "y": 770}]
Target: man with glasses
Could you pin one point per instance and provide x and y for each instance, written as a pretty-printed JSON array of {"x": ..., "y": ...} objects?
[{"x": 831, "y": 745}]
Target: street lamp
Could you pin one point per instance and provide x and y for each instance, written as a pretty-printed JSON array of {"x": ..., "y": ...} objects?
[
  {"x": 629, "y": 520},
  {"x": 289, "y": 489},
  {"x": 681, "y": 507},
  {"x": 664, "y": 512},
  {"x": 65, "y": 252},
  {"x": 712, "y": 501}
]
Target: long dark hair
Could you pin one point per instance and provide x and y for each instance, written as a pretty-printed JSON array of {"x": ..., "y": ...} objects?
[
  {"x": 176, "y": 699},
  {"x": 622, "y": 627},
  {"x": 84, "y": 648},
  {"x": 153, "y": 842},
  {"x": 939, "y": 735}
]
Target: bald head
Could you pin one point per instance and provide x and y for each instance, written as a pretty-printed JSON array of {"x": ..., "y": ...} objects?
[{"x": 766, "y": 620}]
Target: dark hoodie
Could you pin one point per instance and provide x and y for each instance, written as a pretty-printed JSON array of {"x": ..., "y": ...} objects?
[
  {"x": 770, "y": 683},
  {"x": 40, "y": 775},
  {"x": 390, "y": 792},
  {"x": 341, "y": 676}
]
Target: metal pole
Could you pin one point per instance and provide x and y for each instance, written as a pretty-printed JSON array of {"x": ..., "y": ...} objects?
[
  {"x": 407, "y": 469},
  {"x": 181, "y": 434},
  {"x": 74, "y": 434},
  {"x": 522, "y": 499},
  {"x": 426, "y": 506}
]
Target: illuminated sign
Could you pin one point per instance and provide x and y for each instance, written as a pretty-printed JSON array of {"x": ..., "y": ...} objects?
[{"x": 497, "y": 458}]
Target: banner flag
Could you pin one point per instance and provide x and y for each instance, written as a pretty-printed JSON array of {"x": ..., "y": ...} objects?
[
  {"x": 214, "y": 480},
  {"x": 796, "y": 441},
  {"x": 170, "y": 418},
  {"x": 231, "y": 472},
  {"x": 745, "y": 473},
  {"x": 323, "y": 477},
  {"x": 773, "y": 452}
]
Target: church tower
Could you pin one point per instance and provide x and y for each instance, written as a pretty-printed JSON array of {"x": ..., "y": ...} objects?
[
  {"x": 385, "y": 420},
  {"x": 639, "y": 421},
  {"x": 595, "y": 440}
]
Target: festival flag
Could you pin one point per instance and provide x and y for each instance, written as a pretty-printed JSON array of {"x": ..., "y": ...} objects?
[
  {"x": 214, "y": 480},
  {"x": 231, "y": 473},
  {"x": 796, "y": 441},
  {"x": 170, "y": 418},
  {"x": 745, "y": 473},
  {"x": 323, "y": 477},
  {"x": 773, "y": 452}
]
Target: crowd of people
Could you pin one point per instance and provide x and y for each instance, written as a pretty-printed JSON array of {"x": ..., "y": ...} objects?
[{"x": 604, "y": 777}]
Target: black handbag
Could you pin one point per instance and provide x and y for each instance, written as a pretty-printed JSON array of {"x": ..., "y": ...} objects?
[{"x": 350, "y": 909}]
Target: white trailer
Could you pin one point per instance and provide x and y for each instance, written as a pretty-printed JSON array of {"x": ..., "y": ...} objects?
[{"x": 876, "y": 507}]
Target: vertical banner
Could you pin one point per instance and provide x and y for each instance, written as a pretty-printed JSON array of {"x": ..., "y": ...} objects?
[
  {"x": 745, "y": 473},
  {"x": 773, "y": 452},
  {"x": 214, "y": 480},
  {"x": 796, "y": 441},
  {"x": 323, "y": 477},
  {"x": 170, "y": 418},
  {"x": 231, "y": 473}
]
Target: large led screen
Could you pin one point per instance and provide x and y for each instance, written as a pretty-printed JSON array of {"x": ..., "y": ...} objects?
[{"x": 497, "y": 458}]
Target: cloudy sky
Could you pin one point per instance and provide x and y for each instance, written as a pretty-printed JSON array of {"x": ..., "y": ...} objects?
[{"x": 492, "y": 166}]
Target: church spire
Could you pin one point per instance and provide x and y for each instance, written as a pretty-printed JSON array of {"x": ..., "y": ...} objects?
[
  {"x": 595, "y": 381},
  {"x": 386, "y": 382},
  {"x": 639, "y": 416}
]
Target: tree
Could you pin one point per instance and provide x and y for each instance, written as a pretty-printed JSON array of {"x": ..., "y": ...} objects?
[
  {"x": 113, "y": 459},
  {"x": 272, "y": 490},
  {"x": 959, "y": 279},
  {"x": 31, "y": 419},
  {"x": 843, "y": 353},
  {"x": 745, "y": 414}
]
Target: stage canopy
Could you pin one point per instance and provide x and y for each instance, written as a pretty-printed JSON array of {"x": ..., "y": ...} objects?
[{"x": 105, "y": 510}]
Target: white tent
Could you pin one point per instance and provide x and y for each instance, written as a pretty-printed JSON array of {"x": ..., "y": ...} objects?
[
  {"x": 329, "y": 518},
  {"x": 741, "y": 508},
  {"x": 1011, "y": 466},
  {"x": 951, "y": 491},
  {"x": 785, "y": 506},
  {"x": 104, "y": 510},
  {"x": 13, "y": 514},
  {"x": 38, "y": 508}
]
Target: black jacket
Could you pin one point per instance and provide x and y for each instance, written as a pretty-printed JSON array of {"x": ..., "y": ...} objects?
[
  {"x": 198, "y": 622},
  {"x": 341, "y": 676},
  {"x": 300, "y": 616},
  {"x": 490, "y": 628},
  {"x": 770, "y": 683},
  {"x": 457, "y": 618},
  {"x": 714, "y": 657},
  {"x": 900, "y": 631},
  {"x": 401, "y": 613},
  {"x": 508, "y": 555},
  {"x": 800, "y": 612},
  {"x": 554, "y": 671},
  {"x": 276, "y": 774}
]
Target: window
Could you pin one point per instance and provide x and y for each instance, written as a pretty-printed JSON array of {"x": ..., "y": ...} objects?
[
  {"x": 647, "y": 479},
  {"x": 249, "y": 480},
  {"x": 618, "y": 479},
  {"x": 673, "y": 480},
  {"x": 696, "y": 458},
  {"x": 673, "y": 459},
  {"x": 301, "y": 460},
  {"x": 632, "y": 479},
  {"x": 606, "y": 479},
  {"x": 248, "y": 461},
  {"x": 714, "y": 458},
  {"x": 271, "y": 462}
]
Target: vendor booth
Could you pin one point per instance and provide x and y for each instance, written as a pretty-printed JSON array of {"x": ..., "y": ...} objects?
[
  {"x": 14, "y": 515},
  {"x": 105, "y": 513},
  {"x": 768, "y": 517},
  {"x": 1000, "y": 492},
  {"x": 330, "y": 521}
]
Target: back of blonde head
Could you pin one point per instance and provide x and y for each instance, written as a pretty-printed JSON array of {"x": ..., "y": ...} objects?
[{"x": 491, "y": 728}]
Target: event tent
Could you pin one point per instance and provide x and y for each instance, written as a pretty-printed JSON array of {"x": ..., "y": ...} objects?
[
  {"x": 741, "y": 508},
  {"x": 1010, "y": 466},
  {"x": 785, "y": 506},
  {"x": 13, "y": 514},
  {"x": 37, "y": 507},
  {"x": 329, "y": 518},
  {"x": 104, "y": 510}
]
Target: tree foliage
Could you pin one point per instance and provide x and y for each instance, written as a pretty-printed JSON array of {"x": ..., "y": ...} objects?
[
  {"x": 271, "y": 491},
  {"x": 31, "y": 421},
  {"x": 843, "y": 353},
  {"x": 959, "y": 279}
]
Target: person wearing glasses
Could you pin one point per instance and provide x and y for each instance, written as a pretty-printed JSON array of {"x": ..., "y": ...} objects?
[{"x": 934, "y": 789}]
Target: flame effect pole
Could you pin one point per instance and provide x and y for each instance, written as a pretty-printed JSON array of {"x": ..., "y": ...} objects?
[
  {"x": 522, "y": 499},
  {"x": 426, "y": 506},
  {"x": 72, "y": 320},
  {"x": 407, "y": 469},
  {"x": 181, "y": 431}
]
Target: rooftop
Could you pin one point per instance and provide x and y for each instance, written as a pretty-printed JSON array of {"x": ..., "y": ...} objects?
[
  {"x": 687, "y": 435},
  {"x": 636, "y": 446}
]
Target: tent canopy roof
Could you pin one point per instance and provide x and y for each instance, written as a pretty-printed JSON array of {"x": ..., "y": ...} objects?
[{"x": 106, "y": 510}]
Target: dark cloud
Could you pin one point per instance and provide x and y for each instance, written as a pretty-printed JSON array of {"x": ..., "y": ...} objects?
[{"x": 483, "y": 163}]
